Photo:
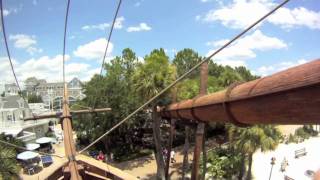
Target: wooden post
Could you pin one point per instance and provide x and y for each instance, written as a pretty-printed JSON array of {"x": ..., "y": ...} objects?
[
  {"x": 185, "y": 162},
  {"x": 70, "y": 149},
  {"x": 172, "y": 128},
  {"x": 157, "y": 142},
  {"x": 200, "y": 127},
  {"x": 197, "y": 151}
]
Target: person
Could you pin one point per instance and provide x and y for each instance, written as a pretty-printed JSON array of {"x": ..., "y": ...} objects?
[
  {"x": 172, "y": 154},
  {"x": 101, "y": 156},
  {"x": 284, "y": 164}
]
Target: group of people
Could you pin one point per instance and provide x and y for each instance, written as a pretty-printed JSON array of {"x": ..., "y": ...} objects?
[{"x": 172, "y": 155}]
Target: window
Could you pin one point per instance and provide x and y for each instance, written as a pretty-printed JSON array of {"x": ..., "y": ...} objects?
[{"x": 9, "y": 117}]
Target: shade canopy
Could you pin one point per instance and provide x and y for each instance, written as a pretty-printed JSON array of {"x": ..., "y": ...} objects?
[
  {"x": 32, "y": 146},
  {"x": 44, "y": 140},
  {"x": 27, "y": 155}
]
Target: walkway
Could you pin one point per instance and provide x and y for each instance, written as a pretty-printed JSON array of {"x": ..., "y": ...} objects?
[
  {"x": 297, "y": 167},
  {"x": 146, "y": 168}
]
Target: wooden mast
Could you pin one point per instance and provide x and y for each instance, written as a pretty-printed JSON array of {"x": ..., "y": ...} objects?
[{"x": 69, "y": 145}]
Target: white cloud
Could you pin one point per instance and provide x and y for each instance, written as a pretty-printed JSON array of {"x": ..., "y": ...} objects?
[
  {"x": 101, "y": 26},
  {"x": 138, "y": 3},
  {"x": 119, "y": 23},
  {"x": 241, "y": 13},
  {"x": 6, "y": 12},
  {"x": 271, "y": 69},
  {"x": 15, "y": 10},
  {"x": 23, "y": 41},
  {"x": 33, "y": 50},
  {"x": 140, "y": 27},
  {"x": 245, "y": 48},
  {"x": 93, "y": 50},
  {"x": 45, "y": 67},
  {"x": 198, "y": 17},
  {"x": 290, "y": 18}
]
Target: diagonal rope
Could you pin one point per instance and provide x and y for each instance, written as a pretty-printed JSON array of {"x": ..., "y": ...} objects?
[{"x": 186, "y": 74}]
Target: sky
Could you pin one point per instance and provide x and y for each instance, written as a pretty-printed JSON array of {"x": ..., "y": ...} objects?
[{"x": 35, "y": 28}]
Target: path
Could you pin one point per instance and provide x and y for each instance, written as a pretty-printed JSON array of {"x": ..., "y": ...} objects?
[
  {"x": 146, "y": 167},
  {"x": 297, "y": 167}
]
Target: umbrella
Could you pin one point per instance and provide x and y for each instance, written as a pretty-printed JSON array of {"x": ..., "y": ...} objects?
[
  {"x": 32, "y": 146},
  {"x": 27, "y": 155},
  {"x": 44, "y": 140}
]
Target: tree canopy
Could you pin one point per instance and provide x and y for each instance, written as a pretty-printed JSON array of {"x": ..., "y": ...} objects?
[{"x": 128, "y": 82}]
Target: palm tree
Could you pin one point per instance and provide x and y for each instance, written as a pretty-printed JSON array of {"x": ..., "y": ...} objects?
[
  {"x": 149, "y": 79},
  {"x": 9, "y": 168},
  {"x": 249, "y": 140}
]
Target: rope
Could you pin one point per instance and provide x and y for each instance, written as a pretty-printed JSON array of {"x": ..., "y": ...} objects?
[
  {"x": 23, "y": 148},
  {"x": 185, "y": 74},
  {"x": 64, "y": 45},
  {"x": 110, "y": 34},
  {"x": 107, "y": 46},
  {"x": 9, "y": 57}
]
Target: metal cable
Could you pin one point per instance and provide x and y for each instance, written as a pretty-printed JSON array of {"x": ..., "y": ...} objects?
[
  {"x": 186, "y": 74},
  {"x": 9, "y": 57},
  {"x": 106, "y": 50},
  {"x": 64, "y": 44},
  {"x": 110, "y": 34},
  {"x": 23, "y": 148}
]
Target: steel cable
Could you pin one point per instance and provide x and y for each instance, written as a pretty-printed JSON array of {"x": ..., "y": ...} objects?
[{"x": 186, "y": 74}]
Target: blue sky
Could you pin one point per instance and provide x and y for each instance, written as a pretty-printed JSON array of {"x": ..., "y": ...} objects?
[{"x": 35, "y": 33}]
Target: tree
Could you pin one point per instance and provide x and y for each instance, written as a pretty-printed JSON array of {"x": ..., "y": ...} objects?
[
  {"x": 245, "y": 73},
  {"x": 150, "y": 78},
  {"x": 184, "y": 60},
  {"x": 229, "y": 76},
  {"x": 33, "y": 98},
  {"x": 116, "y": 90},
  {"x": 224, "y": 162},
  {"x": 9, "y": 168},
  {"x": 249, "y": 140}
]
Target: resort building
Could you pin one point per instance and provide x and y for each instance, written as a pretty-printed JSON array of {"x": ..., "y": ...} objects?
[
  {"x": 51, "y": 93},
  {"x": 11, "y": 89},
  {"x": 13, "y": 109}
]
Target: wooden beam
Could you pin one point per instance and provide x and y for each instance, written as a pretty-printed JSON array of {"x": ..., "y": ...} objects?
[
  {"x": 75, "y": 112},
  {"x": 288, "y": 97},
  {"x": 69, "y": 145}
]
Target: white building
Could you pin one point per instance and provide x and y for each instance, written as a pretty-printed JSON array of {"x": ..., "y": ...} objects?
[
  {"x": 51, "y": 93},
  {"x": 11, "y": 89},
  {"x": 13, "y": 109}
]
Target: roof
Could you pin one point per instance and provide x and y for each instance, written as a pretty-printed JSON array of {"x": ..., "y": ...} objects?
[{"x": 12, "y": 102}]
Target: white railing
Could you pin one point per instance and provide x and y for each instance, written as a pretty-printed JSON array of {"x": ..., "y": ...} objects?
[{"x": 27, "y": 136}]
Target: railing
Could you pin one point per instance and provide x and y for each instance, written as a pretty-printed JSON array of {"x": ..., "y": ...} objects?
[{"x": 27, "y": 136}]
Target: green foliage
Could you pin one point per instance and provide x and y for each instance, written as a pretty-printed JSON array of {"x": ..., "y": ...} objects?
[
  {"x": 9, "y": 168},
  {"x": 184, "y": 60},
  {"x": 223, "y": 163},
  {"x": 33, "y": 98},
  {"x": 128, "y": 83},
  {"x": 154, "y": 75},
  {"x": 249, "y": 140},
  {"x": 306, "y": 132}
]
